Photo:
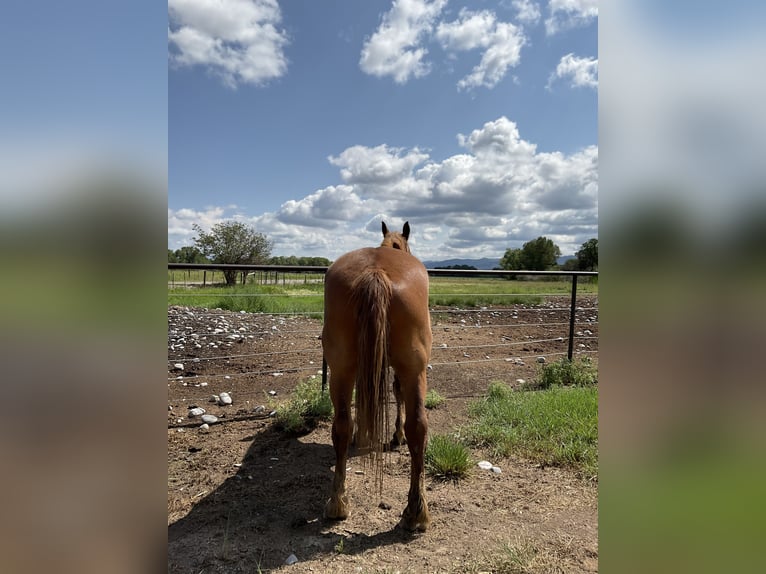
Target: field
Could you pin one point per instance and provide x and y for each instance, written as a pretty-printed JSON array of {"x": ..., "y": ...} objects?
[{"x": 243, "y": 497}]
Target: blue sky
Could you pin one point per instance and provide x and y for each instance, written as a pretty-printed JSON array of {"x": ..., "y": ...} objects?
[{"x": 312, "y": 121}]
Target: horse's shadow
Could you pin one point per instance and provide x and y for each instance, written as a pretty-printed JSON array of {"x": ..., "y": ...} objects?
[{"x": 271, "y": 508}]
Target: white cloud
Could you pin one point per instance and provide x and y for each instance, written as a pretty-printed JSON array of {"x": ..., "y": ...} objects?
[
  {"x": 582, "y": 72},
  {"x": 395, "y": 48},
  {"x": 501, "y": 41},
  {"x": 181, "y": 222},
  {"x": 237, "y": 40},
  {"x": 527, "y": 11},
  {"x": 567, "y": 14},
  {"x": 499, "y": 193}
]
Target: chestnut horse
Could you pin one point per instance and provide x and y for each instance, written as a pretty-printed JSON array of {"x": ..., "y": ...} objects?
[{"x": 376, "y": 316}]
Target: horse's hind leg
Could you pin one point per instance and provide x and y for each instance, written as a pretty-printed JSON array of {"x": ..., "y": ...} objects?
[
  {"x": 340, "y": 391},
  {"x": 416, "y": 516},
  {"x": 398, "y": 439}
]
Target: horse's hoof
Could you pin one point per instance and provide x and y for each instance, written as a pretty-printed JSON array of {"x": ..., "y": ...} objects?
[
  {"x": 417, "y": 524},
  {"x": 336, "y": 509}
]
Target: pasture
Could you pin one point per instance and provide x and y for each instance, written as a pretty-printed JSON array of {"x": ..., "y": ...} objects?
[{"x": 243, "y": 496}]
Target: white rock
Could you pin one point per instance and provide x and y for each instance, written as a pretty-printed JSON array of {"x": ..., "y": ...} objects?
[
  {"x": 540, "y": 359},
  {"x": 259, "y": 409},
  {"x": 209, "y": 419},
  {"x": 204, "y": 427},
  {"x": 485, "y": 465},
  {"x": 520, "y": 381},
  {"x": 214, "y": 399},
  {"x": 224, "y": 399},
  {"x": 195, "y": 412},
  {"x": 178, "y": 366},
  {"x": 273, "y": 393},
  {"x": 496, "y": 469}
]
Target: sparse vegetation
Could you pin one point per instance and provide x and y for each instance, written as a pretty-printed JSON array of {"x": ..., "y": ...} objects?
[
  {"x": 580, "y": 372},
  {"x": 433, "y": 399},
  {"x": 304, "y": 410},
  {"x": 447, "y": 458}
]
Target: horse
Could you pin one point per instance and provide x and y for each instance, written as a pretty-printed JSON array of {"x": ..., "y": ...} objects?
[{"x": 375, "y": 316}]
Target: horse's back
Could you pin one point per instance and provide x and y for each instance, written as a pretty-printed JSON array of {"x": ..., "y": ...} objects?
[{"x": 408, "y": 313}]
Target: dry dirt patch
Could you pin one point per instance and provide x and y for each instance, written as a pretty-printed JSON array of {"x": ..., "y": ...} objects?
[{"x": 243, "y": 497}]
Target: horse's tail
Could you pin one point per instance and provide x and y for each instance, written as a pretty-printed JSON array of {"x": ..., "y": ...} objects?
[{"x": 372, "y": 292}]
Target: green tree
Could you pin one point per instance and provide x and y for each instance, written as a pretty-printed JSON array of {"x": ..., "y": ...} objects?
[
  {"x": 189, "y": 254},
  {"x": 172, "y": 256},
  {"x": 539, "y": 254},
  {"x": 571, "y": 265},
  {"x": 511, "y": 260},
  {"x": 233, "y": 242},
  {"x": 588, "y": 255}
]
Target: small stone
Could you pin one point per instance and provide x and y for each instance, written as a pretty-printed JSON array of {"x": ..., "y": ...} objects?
[
  {"x": 496, "y": 469},
  {"x": 260, "y": 409},
  {"x": 195, "y": 412},
  {"x": 273, "y": 393},
  {"x": 204, "y": 427},
  {"x": 209, "y": 419},
  {"x": 485, "y": 465},
  {"x": 224, "y": 399},
  {"x": 178, "y": 366},
  {"x": 520, "y": 381},
  {"x": 292, "y": 559},
  {"x": 214, "y": 399},
  {"x": 540, "y": 359}
]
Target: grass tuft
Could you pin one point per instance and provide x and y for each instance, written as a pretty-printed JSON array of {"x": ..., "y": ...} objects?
[
  {"x": 580, "y": 372},
  {"x": 446, "y": 458},
  {"x": 305, "y": 409},
  {"x": 433, "y": 399}
]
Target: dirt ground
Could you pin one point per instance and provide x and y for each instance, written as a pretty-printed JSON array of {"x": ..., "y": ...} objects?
[{"x": 243, "y": 497}]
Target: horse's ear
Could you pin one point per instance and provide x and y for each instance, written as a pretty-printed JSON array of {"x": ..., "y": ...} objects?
[
  {"x": 406, "y": 230},
  {"x": 385, "y": 229}
]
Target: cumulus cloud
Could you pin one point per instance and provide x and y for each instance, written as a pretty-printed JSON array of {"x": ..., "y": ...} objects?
[
  {"x": 499, "y": 193},
  {"x": 527, "y": 11},
  {"x": 237, "y": 40},
  {"x": 581, "y": 72},
  {"x": 567, "y": 14},
  {"x": 501, "y": 42},
  {"x": 395, "y": 49},
  {"x": 181, "y": 222}
]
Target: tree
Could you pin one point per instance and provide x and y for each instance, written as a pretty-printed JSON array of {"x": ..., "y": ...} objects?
[
  {"x": 233, "y": 242},
  {"x": 172, "y": 256},
  {"x": 511, "y": 259},
  {"x": 536, "y": 255},
  {"x": 188, "y": 254},
  {"x": 588, "y": 255}
]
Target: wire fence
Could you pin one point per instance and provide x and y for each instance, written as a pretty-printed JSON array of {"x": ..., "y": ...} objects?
[{"x": 261, "y": 357}]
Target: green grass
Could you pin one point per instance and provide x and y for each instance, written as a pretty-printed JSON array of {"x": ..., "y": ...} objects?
[
  {"x": 305, "y": 409},
  {"x": 580, "y": 372},
  {"x": 433, "y": 399},
  {"x": 556, "y": 426},
  {"x": 300, "y": 297},
  {"x": 446, "y": 458}
]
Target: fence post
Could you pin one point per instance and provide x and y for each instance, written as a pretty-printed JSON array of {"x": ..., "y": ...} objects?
[
  {"x": 204, "y": 277},
  {"x": 572, "y": 316},
  {"x": 324, "y": 375}
]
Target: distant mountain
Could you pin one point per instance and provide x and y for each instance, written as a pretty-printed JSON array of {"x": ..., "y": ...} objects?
[{"x": 485, "y": 263}]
